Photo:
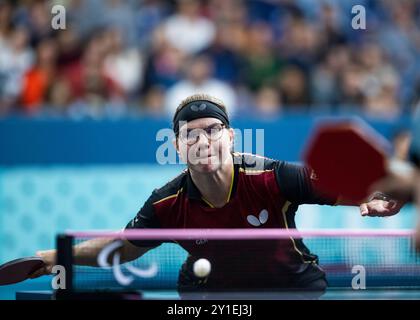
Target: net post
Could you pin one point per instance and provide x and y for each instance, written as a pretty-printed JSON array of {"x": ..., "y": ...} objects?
[{"x": 64, "y": 244}]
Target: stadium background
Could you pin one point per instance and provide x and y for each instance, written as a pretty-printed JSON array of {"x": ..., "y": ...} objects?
[{"x": 80, "y": 107}]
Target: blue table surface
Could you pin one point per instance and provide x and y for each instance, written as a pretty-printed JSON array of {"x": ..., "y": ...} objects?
[
  {"x": 331, "y": 294},
  {"x": 39, "y": 288}
]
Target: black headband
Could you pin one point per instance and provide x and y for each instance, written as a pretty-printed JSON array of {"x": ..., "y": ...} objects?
[{"x": 199, "y": 109}]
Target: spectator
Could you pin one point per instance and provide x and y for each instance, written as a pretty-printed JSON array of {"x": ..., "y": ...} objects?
[
  {"x": 94, "y": 93},
  {"x": 59, "y": 97},
  {"x": 401, "y": 35},
  {"x": 37, "y": 18},
  {"x": 351, "y": 87},
  {"x": 5, "y": 21},
  {"x": 268, "y": 102},
  {"x": 187, "y": 30},
  {"x": 307, "y": 56},
  {"x": 382, "y": 104},
  {"x": 225, "y": 54},
  {"x": 262, "y": 65},
  {"x": 148, "y": 17},
  {"x": 69, "y": 46},
  {"x": 331, "y": 25},
  {"x": 85, "y": 15},
  {"x": 16, "y": 58},
  {"x": 38, "y": 79},
  {"x": 153, "y": 102},
  {"x": 120, "y": 15},
  {"x": 293, "y": 86},
  {"x": 325, "y": 77},
  {"x": 123, "y": 65},
  {"x": 164, "y": 67},
  {"x": 198, "y": 79},
  {"x": 301, "y": 43}
]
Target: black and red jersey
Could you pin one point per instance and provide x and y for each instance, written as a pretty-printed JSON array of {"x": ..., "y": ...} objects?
[{"x": 267, "y": 197}]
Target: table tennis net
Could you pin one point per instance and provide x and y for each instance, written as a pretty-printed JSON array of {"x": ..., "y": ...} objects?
[{"x": 242, "y": 258}]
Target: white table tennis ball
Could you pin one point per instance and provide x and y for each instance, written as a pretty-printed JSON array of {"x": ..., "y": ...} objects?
[{"x": 202, "y": 268}]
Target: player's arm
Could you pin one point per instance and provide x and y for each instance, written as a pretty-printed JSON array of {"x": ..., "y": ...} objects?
[
  {"x": 86, "y": 254},
  {"x": 298, "y": 184}
]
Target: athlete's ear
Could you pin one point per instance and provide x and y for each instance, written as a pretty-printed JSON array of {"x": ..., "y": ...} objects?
[
  {"x": 175, "y": 143},
  {"x": 231, "y": 136}
]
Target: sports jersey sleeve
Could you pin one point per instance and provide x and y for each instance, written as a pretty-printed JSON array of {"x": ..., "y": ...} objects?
[
  {"x": 298, "y": 184},
  {"x": 145, "y": 218}
]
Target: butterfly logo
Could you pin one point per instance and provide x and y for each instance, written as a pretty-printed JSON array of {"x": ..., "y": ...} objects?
[
  {"x": 196, "y": 108},
  {"x": 258, "y": 221},
  {"x": 313, "y": 175}
]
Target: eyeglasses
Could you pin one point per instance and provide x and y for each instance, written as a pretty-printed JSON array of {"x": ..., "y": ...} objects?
[{"x": 191, "y": 136}]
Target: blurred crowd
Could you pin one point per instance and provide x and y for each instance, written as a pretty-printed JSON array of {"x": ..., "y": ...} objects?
[{"x": 262, "y": 58}]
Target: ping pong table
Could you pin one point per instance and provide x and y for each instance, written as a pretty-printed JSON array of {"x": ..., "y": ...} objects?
[
  {"x": 393, "y": 273},
  {"x": 330, "y": 294}
]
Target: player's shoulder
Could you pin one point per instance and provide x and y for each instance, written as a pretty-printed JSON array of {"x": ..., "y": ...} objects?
[
  {"x": 171, "y": 189},
  {"x": 255, "y": 162}
]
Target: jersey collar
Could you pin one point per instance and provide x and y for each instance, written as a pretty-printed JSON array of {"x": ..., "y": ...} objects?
[{"x": 195, "y": 194}]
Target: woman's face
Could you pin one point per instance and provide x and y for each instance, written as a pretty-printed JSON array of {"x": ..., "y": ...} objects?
[{"x": 204, "y": 144}]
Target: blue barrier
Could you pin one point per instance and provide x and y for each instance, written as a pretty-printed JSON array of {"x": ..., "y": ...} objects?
[
  {"x": 25, "y": 141},
  {"x": 38, "y": 202}
]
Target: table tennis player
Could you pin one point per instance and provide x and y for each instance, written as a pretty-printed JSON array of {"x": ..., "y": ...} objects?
[{"x": 223, "y": 189}]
